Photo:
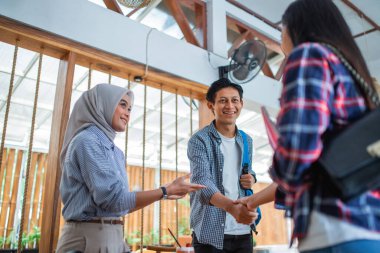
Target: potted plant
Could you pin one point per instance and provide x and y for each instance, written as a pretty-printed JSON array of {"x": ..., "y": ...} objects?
[{"x": 30, "y": 240}]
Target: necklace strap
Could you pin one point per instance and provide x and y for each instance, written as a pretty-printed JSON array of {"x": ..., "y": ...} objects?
[{"x": 365, "y": 87}]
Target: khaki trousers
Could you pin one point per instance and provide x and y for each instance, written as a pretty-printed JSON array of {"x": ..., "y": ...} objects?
[{"x": 92, "y": 238}]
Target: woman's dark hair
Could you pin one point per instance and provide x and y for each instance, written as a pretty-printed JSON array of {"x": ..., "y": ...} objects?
[
  {"x": 321, "y": 21},
  {"x": 221, "y": 84}
]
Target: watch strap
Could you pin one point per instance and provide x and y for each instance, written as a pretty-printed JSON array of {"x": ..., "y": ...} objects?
[{"x": 164, "y": 192}]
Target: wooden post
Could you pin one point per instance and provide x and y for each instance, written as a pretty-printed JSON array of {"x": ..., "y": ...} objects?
[
  {"x": 205, "y": 114},
  {"x": 52, "y": 200}
]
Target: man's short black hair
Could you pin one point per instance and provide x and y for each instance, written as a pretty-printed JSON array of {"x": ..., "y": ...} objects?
[{"x": 221, "y": 84}]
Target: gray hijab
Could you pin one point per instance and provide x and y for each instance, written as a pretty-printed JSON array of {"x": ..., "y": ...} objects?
[{"x": 95, "y": 107}]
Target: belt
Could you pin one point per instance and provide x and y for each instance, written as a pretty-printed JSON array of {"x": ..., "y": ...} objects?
[
  {"x": 111, "y": 222},
  {"x": 237, "y": 237}
]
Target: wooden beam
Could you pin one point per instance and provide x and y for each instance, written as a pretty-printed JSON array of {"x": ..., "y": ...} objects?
[
  {"x": 57, "y": 46},
  {"x": 281, "y": 69},
  {"x": 365, "y": 33},
  {"x": 182, "y": 21},
  {"x": 361, "y": 14},
  {"x": 133, "y": 12},
  {"x": 147, "y": 10},
  {"x": 50, "y": 217},
  {"x": 113, "y": 5},
  {"x": 267, "y": 70},
  {"x": 205, "y": 114},
  {"x": 236, "y": 26},
  {"x": 238, "y": 42},
  {"x": 201, "y": 23}
]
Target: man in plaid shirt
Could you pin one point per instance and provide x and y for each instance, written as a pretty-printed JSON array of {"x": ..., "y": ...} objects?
[{"x": 215, "y": 153}]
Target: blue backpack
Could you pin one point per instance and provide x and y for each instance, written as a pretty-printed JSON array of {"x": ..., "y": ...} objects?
[{"x": 245, "y": 166}]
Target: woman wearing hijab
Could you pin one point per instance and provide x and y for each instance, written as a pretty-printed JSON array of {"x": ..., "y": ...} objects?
[{"x": 94, "y": 184}]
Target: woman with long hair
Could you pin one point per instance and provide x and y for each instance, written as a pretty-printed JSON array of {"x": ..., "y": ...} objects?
[{"x": 320, "y": 97}]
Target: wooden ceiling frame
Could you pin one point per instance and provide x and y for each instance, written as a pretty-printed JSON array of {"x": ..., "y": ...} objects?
[
  {"x": 238, "y": 42},
  {"x": 267, "y": 70},
  {"x": 247, "y": 33},
  {"x": 113, "y": 5},
  {"x": 57, "y": 47},
  {"x": 201, "y": 23},
  {"x": 255, "y": 14},
  {"x": 361, "y": 14},
  {"x": 365, "y": 33},
  {"x": 237, "y": 26},
  {"x": 182, "y": 21},
  {"x": 147, "y": 10},
  {"x": 132, "y": 12},
  {"x": 280, "y": 70}
]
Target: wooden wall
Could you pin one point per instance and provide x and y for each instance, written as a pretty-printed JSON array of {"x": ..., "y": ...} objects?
[
  {"x": 272, "y": 229},
  {"x": 10, "y": 178}
]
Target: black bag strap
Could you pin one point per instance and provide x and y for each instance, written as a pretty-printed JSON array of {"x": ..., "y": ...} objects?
[{"x": 365, "y": 87}]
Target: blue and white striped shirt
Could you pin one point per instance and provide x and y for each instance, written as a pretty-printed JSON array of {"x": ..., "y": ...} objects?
[
  {"x": 206, "y": 165},
  {"x": 94, "y": 182}
]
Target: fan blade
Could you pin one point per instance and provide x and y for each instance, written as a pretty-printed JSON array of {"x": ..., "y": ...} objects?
[
  {"x": 241, "y": 55},
  {"x": 241, "y": 72}
]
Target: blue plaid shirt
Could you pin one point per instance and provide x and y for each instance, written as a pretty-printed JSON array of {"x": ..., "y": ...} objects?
[
  {"x": 206, "y": 165},
  {"x": 94, "y": 182},
  {"x": 318, "y": 97}
]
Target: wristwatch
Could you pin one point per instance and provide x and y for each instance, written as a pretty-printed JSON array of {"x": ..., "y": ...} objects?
[{"x": 164, "y": 192}]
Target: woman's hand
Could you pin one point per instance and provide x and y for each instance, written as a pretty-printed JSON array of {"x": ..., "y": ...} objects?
[
  {"x": 247, "y": 201},
  {"x": 179, "y": 187}
]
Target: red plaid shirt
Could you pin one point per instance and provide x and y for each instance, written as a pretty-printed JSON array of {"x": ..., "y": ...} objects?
[{"x": 318, "y": 97}]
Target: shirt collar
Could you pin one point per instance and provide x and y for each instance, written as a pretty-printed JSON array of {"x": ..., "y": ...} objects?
[{"x": 215, "y": 133}]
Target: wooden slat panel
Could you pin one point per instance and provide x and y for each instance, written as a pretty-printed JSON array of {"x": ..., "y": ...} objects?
[
  {"x": 37, "y": 190},
  {"x": 272, "y": 227},
  {"x": 16, "y": 181},
  {"x": 3, "y": 165},
  {"x": 8, "y": 181},
  {"x": 133, "y": 220},
  {"x": 43, "y": 191},
  {"x": 28, "y": 197},
  {"x": 168, "y": 219}
]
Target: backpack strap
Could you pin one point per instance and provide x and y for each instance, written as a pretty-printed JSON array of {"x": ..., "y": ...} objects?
[{"x": 245, "y": 166}]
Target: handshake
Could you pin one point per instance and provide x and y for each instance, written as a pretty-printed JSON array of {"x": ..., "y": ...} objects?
[
  {"x": 247, "y": 206},
  {"x": 244, "y": 210}
]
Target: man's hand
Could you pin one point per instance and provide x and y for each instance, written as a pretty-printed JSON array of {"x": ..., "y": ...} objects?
[
  {"x": 247, "y": 181},
  {"x": 242, "y": 214}
]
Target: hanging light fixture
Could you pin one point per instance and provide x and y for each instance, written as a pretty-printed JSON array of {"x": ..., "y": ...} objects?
[{"x": 135, "y": 3}]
